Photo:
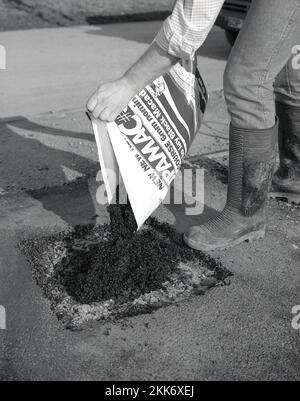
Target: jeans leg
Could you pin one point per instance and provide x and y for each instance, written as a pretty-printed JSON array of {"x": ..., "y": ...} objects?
[
  {"x": 264, "y": 46},
  {"x": 287, "y": 83}
]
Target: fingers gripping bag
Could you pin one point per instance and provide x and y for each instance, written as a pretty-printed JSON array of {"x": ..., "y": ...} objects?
[{"x": 149, "y": 139}]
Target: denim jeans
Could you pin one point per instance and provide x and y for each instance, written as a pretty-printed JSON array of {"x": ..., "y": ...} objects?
[{"x": 264, "y": 64}]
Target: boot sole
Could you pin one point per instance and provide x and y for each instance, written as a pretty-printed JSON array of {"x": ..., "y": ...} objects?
[
  {"x": 290, "y": 198},
  {"x": 251, "y": 237}
]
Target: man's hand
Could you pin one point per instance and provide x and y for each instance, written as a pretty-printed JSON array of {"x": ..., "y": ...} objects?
[{"x": 110, "y": 99}]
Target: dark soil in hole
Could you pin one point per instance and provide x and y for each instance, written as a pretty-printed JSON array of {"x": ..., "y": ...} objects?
[
  {"x": 127, "y": 264},
  {"x": 91, "y": 273}
]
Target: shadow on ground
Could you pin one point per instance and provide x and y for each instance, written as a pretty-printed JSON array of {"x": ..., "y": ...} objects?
[
  {"x": 33, "y": 164},
  {"x": 182, "y": 220},
  {"x": 137, "y": 17}
]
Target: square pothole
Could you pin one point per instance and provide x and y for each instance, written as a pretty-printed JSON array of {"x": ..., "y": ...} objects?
[{"x": 88, "y": 276}]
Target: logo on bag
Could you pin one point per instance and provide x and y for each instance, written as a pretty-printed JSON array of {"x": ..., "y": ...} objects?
[
  {"x": 2, "y": 318},
  {"x": 296, "y": 319},
  {"x": 2, "y": 58},
  {"x": 296, "y": 58},
  {"x": 153, "y": 159},
  {"x": 154, "y": 133}
]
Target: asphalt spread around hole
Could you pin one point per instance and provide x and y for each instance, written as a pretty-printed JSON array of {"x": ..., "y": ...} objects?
[{"x": 123, "y": 271}]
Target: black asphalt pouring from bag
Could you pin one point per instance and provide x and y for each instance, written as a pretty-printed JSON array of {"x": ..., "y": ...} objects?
[{"x": 110, "y": 271}]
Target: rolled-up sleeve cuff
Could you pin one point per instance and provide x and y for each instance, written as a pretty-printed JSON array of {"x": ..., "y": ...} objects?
[{"x": 175, "y": 43}]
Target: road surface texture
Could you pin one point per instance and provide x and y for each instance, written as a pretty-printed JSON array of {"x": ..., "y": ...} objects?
[
  {"x": 48, "y": 163},
  {"x": 27, "y": 14}
]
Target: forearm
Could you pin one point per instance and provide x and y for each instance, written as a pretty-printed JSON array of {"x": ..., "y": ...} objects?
[
  {"x": 181, "y": 35},
  {"x": 188, "y": 26},
  {"x": 152, "y": 64}
]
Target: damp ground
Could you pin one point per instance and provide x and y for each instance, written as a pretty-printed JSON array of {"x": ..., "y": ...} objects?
[{"x": 103, "y": 272}]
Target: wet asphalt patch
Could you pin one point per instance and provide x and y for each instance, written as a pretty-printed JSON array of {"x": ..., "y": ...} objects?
[{"x": 93, "y": 273}]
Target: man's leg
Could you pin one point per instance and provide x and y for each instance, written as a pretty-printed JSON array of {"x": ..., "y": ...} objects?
[
  {"x": 263, "y": 48},
  {"x": 286, "y": 181}
]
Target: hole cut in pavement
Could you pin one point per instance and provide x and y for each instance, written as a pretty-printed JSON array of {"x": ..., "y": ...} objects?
[{"x": 94, "y": 273}]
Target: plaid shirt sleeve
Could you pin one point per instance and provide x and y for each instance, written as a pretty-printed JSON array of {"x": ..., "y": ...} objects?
[{"x": 188, "y": 26}]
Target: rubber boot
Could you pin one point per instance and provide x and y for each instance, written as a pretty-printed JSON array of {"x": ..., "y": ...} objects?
[
  {"x": 286, "y": 181},
  {"x": 251, "y": 167}
]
